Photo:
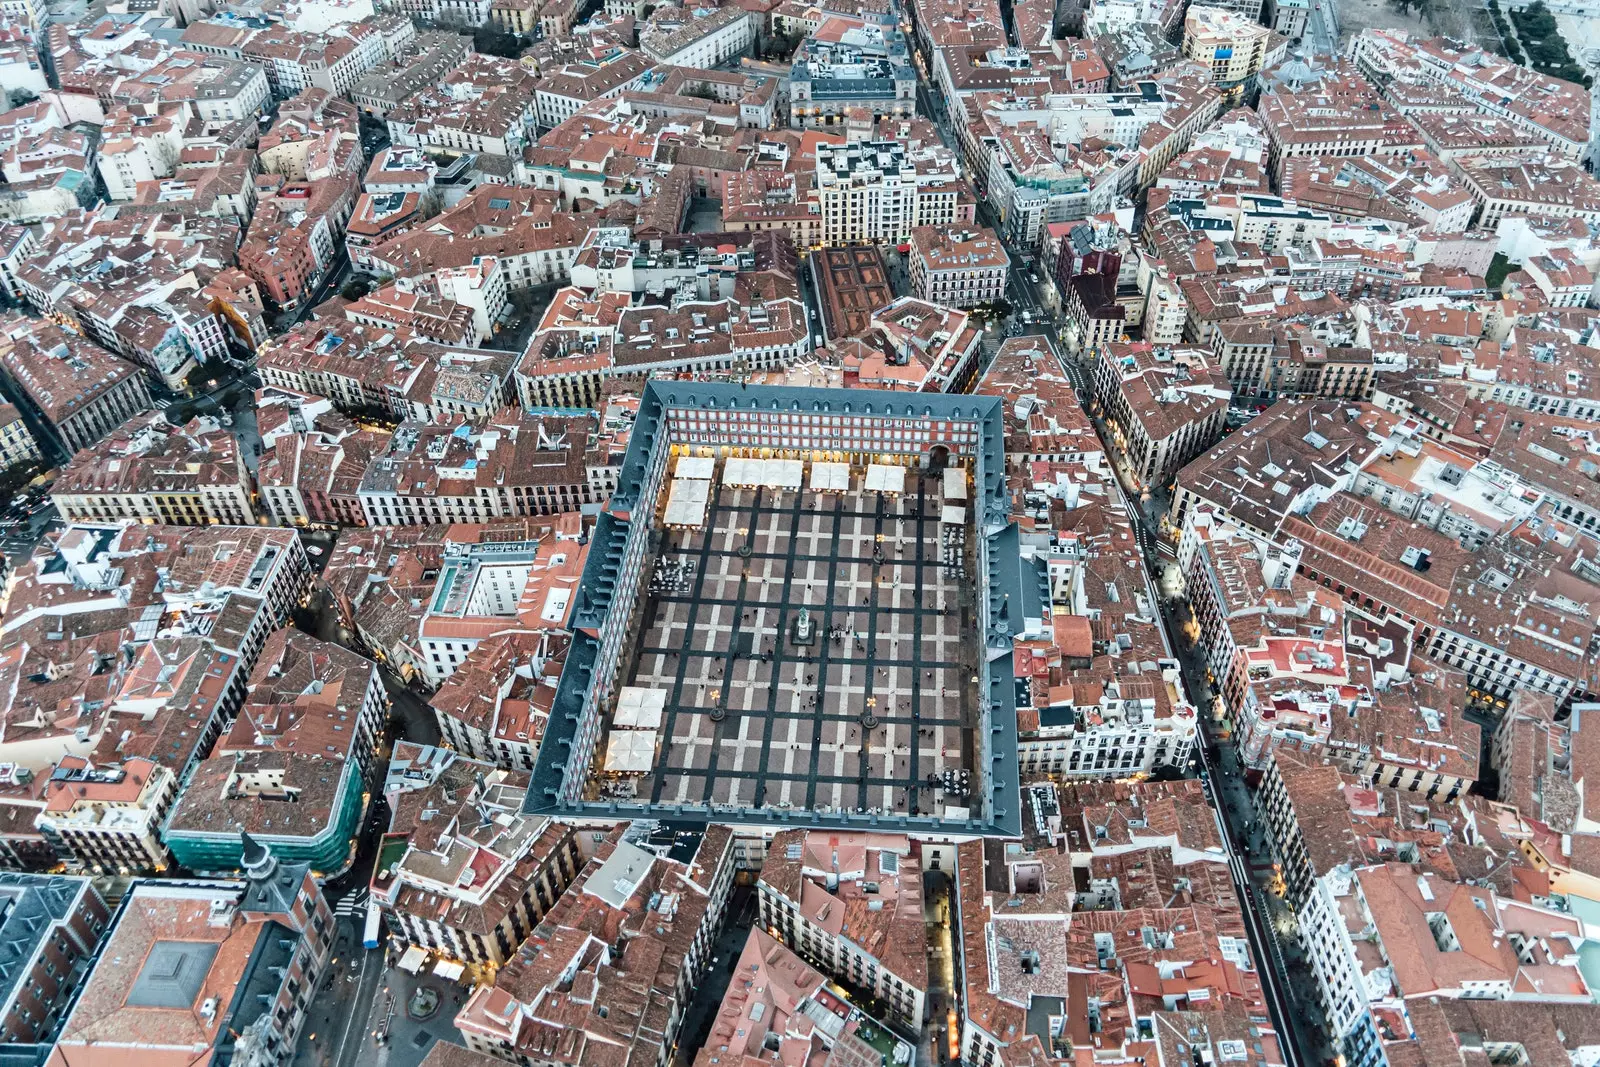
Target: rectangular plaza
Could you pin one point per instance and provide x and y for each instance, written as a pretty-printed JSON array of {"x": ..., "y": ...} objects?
[
  {"x": 870, "y": 712},
  {"x": 798, "y": 608}
]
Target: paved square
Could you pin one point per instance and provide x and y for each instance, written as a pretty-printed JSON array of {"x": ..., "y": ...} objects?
[{"x": 877, "y": 713}]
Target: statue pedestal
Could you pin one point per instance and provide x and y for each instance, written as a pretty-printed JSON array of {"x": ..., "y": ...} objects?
[{"x": 805, "y": 629}]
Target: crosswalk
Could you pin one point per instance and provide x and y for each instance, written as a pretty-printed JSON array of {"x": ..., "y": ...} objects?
[{"x": 354, "y": 903}]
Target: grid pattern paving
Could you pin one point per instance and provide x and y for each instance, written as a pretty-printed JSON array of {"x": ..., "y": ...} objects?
[{"x": 872, "y": 714}]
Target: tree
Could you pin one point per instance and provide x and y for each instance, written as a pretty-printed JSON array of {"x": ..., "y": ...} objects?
[
  {"x": 355, "y": 289},
  {"x": 495, "y": 42}
]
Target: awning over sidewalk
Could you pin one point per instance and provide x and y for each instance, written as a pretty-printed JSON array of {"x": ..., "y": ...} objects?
[
  {"x": 449, "y": 969},
  {"x": 412, "y": 960}
]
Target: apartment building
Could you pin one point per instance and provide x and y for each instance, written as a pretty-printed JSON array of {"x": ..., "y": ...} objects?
[
  {"x": 1529, "y": 183},
  {"x": 1265, "y": 362},
  {"x": 1335, "y": 113},
  {"x": 573, "y": 361},
  {"x": 1164, "y": 405},
  {"x": 697, "y": 38},
  {"x": 1166, "y": 308},
  {"x": 1126, "y": 727},
  {"x": 1542, "y": 371},
  {"x": 370, "y": 366},
  {"x": 484, "y": 590},
  {"x": 334, "y": 60},
  {"x": 771, "y": 1003},
  {"x": 1409, "y": 66},
  {"x": 1445, "y": 489},
  {"x": 1054, "y": 912},
  {"x": 296, "y": 232},
  {"x": 1416, "y": 740},
  {"x": 17, "y": 445},
  {"x": 152, "y": 471},
  {"x": 81, "y": 391},
  {"x": 659, "y": 908},
  {"x": 387, "y": 574},
  {"x": 958, "y": 268},
  {"x": 1336, "y": 838},
  {"x": 851, "y": 905},
  {"x": 453, "y": 471},
  {"x": 107, "y": 820},
  {"x": 259, "y": 778},
  {"x": 428, "y": 60},
  {"x": 140, "y": 144},
  {"x": 563, "y": 90},
  {"x": 1470, "y": 610},
  {"x": 51, "y": 925},
  {"x": 480, "y": 287},
  {"x": 193, "y": 944},
  {"x": 1044, "y": 422},
  {"x": 1096, "y": 318},
  {"x": 17, "y": 243},
  {"x": 315, "y": 477},
  {"x": 477, "y": 875},
  {"x": 1092, "y": 706},
  {"x": 495, "y": 705},
  {"x": 1442, "y": 915},
  {"x": 1232, "y": 47},
  {"x": 217, "y": 592},
  {"x": 879, "y": 191}
]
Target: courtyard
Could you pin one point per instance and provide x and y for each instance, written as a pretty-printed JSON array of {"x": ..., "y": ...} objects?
[{"x": 816, "y": 651}]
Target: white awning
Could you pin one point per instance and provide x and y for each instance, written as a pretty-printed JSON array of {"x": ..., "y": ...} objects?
[
  {"x": 830, "y": 477},
  {"x": 449, "y": 969},
  {"x": 955, "y": 483},
  {"x": 784, "y": 474},
  {"x": 886, "y": 478},
  {"x": 412, "y": 960},
  {"x": 741, "y": 471},
  {"x": 953, "y": 515},
  {"x": 631, "y": 751},
  {"x": 771, "y": 473},
  {"x": 703, "y": 468},
  {"x": 687, "y": 502},
  {"x": 639, "y": 708}
]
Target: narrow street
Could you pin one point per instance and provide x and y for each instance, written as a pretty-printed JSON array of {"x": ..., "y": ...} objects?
[
  {"x": 1269, "y": 921},
  {"x": 713, "y": 985}
]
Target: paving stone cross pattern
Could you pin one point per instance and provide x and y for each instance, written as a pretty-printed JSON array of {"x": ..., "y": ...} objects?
[{"x": 870, "y": 714}]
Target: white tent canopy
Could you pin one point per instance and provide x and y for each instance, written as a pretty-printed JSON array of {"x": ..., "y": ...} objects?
[
  {"x": 955, "y": 516},
  {"x": 449, "y": 969},
  {"x": 771, "y": 473},
  {"x": 886, "y": 478},
  {"x": 830, "y": 477},
  {"x": 639, "y": 708},
  {"x": 785, "y": 474},
  {"x": 687, "y": 502},
  {"x": 631, "y": 751},
  {"x": 412, "y": 960},
  {"x": 703, "y": 468},
  {"x": 741, "y": 471},
  {"x": 955, "y": 483}
]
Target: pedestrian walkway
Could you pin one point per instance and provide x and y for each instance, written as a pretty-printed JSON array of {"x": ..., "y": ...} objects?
[{"x": 353, "y": 904}]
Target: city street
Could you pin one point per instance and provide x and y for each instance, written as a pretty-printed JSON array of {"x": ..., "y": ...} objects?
[
  {"x": 406, "y": 1040},
  {"x": 1269, "y": 921},
  {"x": 331, "y": 1037},
  {"x": 941, "y": 924},
  {"x": 1324, "y": 41},
  {"x": 709, "y": 991}
]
